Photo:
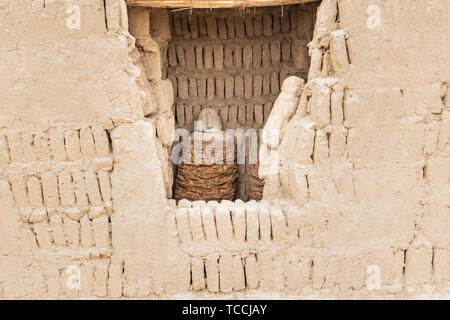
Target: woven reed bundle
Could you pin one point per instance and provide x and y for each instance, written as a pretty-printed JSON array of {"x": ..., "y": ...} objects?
[
  {"x": 256, "y": 185},
  {"x": 209, "y": 171}
]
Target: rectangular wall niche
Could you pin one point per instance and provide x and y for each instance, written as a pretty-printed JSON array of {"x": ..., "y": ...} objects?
[{"x": 234, "y": 61}]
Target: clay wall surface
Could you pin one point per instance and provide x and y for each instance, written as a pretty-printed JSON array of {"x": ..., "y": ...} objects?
[{"x": 359, "y": 207}]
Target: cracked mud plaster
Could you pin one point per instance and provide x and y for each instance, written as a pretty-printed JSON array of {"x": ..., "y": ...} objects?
[{"x": 85, "y": 176}]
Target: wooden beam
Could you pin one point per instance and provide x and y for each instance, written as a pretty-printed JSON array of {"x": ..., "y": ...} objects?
[{"x": 208, "y": 4}]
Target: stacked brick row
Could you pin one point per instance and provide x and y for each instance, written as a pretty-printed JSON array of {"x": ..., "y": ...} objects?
[
  {"x": 99, "y": 277},
  {"x": 238, "y": 225},
  {"x": 233, "y": 117},
  {"x": 236, "y": 246},
  {"x": 227, "y": 60},
  {"x": 225, "y": 24},
  {"x": 60, "y": 182},
  {"x": 55, "y": 146}
]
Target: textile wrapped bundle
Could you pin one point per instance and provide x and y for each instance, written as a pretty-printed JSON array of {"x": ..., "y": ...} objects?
[
  {"x": 256, "y": 185},
  {"x": 209, "y": 170}
]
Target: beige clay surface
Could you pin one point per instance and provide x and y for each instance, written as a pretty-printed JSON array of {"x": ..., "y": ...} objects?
[{"x": 92, "y": 93}]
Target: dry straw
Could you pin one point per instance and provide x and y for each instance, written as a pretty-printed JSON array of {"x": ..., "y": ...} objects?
[{"x": 188, "y": 4}]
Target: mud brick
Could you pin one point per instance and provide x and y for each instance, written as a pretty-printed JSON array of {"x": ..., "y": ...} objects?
[
  {"x": 42, "y": 235},
  {"x": 266, "y": 84},
  {"x": 197, "y": 110},
  {"x": 42, "y": 146},
  {"x": 238, "y": 274},
  {"x": 257, "y": 85},
  {"x": 101, "y": 141},
  {"x": 101, "y": 231},
  {"x": 266, "y": 55},
  {"x": 242, "y": 114},
  {"x": 257, "y": 25},
  {"x": 285, "y": 23},
  {"x": 209, "y": 61},
  {"x": 232, "y": 114},
  {"x": 56, "y": 223},
  {"x": 247, "y": 57},
  {"x": 195, "y": 224},
  {"x": 293, "y": 19},
  {"x": 73, "y": 149},
  {"x": 190, "y": 57},
  {"x": 173, "y": 80},
  {"x": 188, "y": 115},
  {"x": 182, "y": 222},
  {"x": 50, "y": 189},
  {"x": 249, "y": 117},
  {"x": 199, "y": 57},
  {"x": 105, "y": 185},
  {"x": 259, "y": 116},
  {"x": 253, "y": 224},
  {"x": 177, "y": 24},
  {"x": 274, "y": 83},
  {"x": 34, "y": 192},
  {"x": 286, "y": 50},
  {"x": 212, "y": 273},
  {"x": 239, "y": 86},
  {"x": 198, "y": 274},
  {"x": 251, "y": 272},
  {"x": 222, "y": 28},
  {"x": 228, "y": 61},
  {"x": 230, "y": 26},
  {"x": 248, "y": 86},
  {"x": 93, "y": 189},
  {"x": 249, "y": 26},
  {"x": 180, "y": 115},
  {"x": 181, "y": 56},
  {"x": 57, "y": 144},
  {"x": 185, "y": 26},
  {"x": 220, "y": 88},
  {"x": 192, "y": 88},
  {"x": 267, "y": 110},
  {"x": 300, "y": 55},
  {"x": 201, "y": 88},
  {"x": 267, "y": 24},
  {"x": 239, "y": 26},
  {"x": 80, "y": 189},
  {"x": 226, "y": 272},
  {"x": 224, "y": 114},
  {"x": 172, "y": 56},
  {"x": 211, "y": 26},
  {"x": 238, "y": 57},
  {"x": 202, "y": 26},
  {"x": 66, "y": 190},
  {"x": 257, "y": 56},
  {"x": 72, "y": 231},
  {"x": 229, "y": 87},
  {"x": 101, "y": 278},
  {"x": 224, "y": 225},
  {"x": 275, "y": 51},
  {"x": 210, "y": 91},
  {"x": 193, "y": 25},
  {"x": 19, "y": 189},
  {"x": 276, "y": 23},
  {"x": 218, "y": 57},
  {"x": 183, "y": 87}
]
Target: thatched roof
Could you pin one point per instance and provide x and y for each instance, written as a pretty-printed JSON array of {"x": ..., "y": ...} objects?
[{"x": 213, "y": 3}]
